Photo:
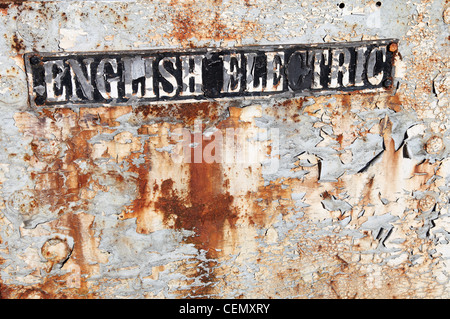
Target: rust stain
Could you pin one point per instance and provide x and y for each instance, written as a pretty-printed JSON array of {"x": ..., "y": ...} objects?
[
  {"x": 60, "y": 183},
  {"x": 78, "y": 255},
  {"x": 346, "y": 102},
  {"x": 6, "y": 4},
  {"x": 266, "y": 195},
  {"x": 4, "y": 8},
  {"x": 184, "y": 113},
  {"x": 391, "y": 157},
  {"x": 395, "y": 102},
  {"x": 18, "y": 44},
  {"x": 52, "y": 287},
  {"x": 366, "y": 198},
  {"x": 190, "y": 21},
  {"x": 421, "y": 173},
  {"x": 204, "y": 209}
]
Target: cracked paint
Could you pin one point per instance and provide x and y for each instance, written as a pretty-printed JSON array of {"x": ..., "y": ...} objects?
[{"x": 347, "y": 198}]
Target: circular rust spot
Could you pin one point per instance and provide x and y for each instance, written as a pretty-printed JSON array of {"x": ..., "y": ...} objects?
[
  {"x": 427, "y": 203},
  {"x": 23, "y": 202},
  {"x": 33, "y": 25},
  {"x": 56, "y": 250},
  {"x": 434, "y": 145},
  {"x": 393, "y": 47}
]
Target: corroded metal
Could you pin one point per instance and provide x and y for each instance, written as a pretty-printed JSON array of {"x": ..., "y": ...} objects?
[
  {"x": 137, "y": 78},
  {"x": 330, "y": 196}
]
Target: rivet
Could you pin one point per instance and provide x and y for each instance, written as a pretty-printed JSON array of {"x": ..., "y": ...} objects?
[
  {"x": 388, "y": 82},
  {"x": 39, "y": 100},
  {"x": 393, "y": 47},
  {"x": 35, "y": 59}
]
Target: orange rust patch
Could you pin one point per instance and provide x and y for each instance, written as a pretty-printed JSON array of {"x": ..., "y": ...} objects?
[
  {"x": 367, "y": 192},
  {"x": 391, "y": 157},
  {"x": 395, "y": 102},
  {"x": 325, "y": 195},
  {"x": 268, "y": 194},
  {"x": 422, "y": 173},
  {"x": 186, "y": 113},
  {"x": 346, "y": 102},
  {"x": 60, "y": 139},
  {"x": 51, "y": 287},
  {"x": 190, "y": 21},
  {"x": 83, "y": 236},
  {"x": 206, "y": 207},
  {"x": 340, "y": 139}
]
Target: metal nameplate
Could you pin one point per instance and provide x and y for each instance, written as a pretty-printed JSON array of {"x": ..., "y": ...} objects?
[{"x": 145, "y": 77}]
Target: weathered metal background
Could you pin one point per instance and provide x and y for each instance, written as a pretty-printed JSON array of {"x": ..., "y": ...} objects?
[{"x": 93, "y": 204}]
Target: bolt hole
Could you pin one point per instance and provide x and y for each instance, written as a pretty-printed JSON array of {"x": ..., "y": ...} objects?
[
  {"x": 378, "y": 4},
  {"x": 342, "y": 5}
]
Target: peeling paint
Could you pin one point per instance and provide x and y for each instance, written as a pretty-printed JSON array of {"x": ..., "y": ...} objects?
[{"x": 346, "y": 195}]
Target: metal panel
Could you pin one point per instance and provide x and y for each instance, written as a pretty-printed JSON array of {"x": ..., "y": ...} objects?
[{"x": 328, "y": 196}]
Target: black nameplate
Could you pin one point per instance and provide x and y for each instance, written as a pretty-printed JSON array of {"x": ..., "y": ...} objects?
[{"x": 144, "y": 77}]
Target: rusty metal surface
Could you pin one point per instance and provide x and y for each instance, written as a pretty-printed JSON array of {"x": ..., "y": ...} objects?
[
  {"x": 141, "y": 77},
  {"x": 340, "y": 196}
]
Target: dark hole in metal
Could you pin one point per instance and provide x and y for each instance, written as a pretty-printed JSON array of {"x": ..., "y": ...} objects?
[
  {"x": 342, "y": 5},
  {"x": 378, "y": 4}
]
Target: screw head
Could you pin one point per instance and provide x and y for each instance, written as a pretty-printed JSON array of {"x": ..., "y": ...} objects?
[
  {"x": 388, "y": 82},
  {"x": 35, "y": 59},
  {"x": 39, "y": 100}
]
